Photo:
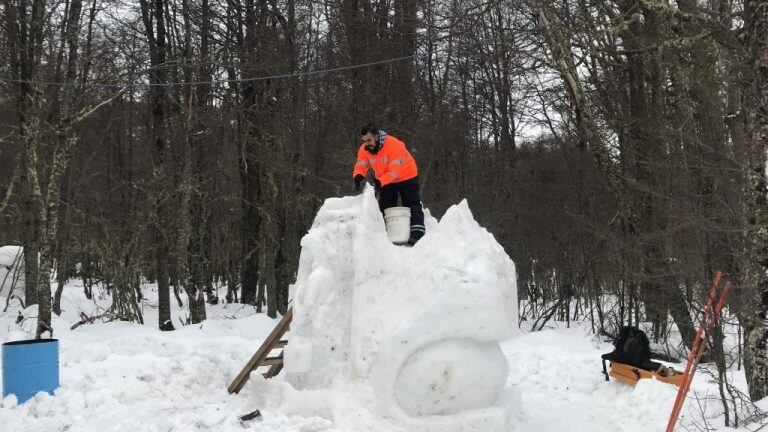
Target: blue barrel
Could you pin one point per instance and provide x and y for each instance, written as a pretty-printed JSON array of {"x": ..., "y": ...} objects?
[{"x": 30, "y": 366}]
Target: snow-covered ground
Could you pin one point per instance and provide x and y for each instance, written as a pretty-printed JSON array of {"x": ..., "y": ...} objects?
[{"x": 131, "y": 377}]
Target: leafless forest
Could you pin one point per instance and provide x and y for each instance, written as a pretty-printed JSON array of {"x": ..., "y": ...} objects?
[{"x": 615, "y": 148}]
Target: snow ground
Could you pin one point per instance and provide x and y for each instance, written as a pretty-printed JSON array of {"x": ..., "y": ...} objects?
[{"x": 122, "y": 376}]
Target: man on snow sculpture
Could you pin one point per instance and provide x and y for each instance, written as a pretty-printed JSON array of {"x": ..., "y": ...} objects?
[{"x": 395, "y": 174}]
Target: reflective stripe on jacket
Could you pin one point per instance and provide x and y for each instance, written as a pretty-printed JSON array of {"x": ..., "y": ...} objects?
[{"x": 392, "y": 164}]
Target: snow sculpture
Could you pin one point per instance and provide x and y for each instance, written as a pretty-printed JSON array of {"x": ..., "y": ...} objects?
[{"x": 420, "y": 326}]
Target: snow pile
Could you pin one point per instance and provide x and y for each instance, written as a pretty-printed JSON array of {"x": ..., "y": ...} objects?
[
  {"x": 129, "y": 377},
  {"x": 417, "y": 329},
  {"x": 11, "y": 271}
]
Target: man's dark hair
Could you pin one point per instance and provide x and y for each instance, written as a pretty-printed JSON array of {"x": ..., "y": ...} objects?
[{"x": 370, "y": 127}]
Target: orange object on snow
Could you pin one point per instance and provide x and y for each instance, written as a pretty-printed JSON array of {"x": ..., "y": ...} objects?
[
  {"x": 709, "y": 320},
  {"x": 631, "y": 375},
  {"x": 392, "y": 163}
]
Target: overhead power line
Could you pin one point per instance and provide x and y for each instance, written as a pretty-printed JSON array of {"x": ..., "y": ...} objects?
[{"x": 212, "y": 82}]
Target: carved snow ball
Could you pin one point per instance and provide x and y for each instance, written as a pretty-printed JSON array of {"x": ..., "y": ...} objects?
[{"x": 451, "y": 376}]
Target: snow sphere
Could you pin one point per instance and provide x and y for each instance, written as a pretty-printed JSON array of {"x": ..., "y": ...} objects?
[{"x": 451, "y": 376}]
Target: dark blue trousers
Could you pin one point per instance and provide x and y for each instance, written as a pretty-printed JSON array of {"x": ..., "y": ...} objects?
[{"x": 408, "y": 192}]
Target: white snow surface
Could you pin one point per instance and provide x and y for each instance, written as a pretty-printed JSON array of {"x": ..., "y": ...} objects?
[
  {"x": 131, "y": 377},
  {"x": 419, "y": 326},
  {"x": 11, "y": 272}
]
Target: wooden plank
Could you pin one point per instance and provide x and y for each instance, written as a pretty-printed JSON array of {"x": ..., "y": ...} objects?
[
  {"x": 280, "y": 344},
  {"x": 631, "y": 374},
  {"x": 624, "y": 373},
  {"x": 626, "y": 380},
  {"x": 262, "y": 353},
  {"x": 629, "y": 370},
  {"x": 620, "y": 375},
  {"x": 676, "y": 379},
  {"x": 274, "y": 369},
  {"x": 271, "y": 361}
]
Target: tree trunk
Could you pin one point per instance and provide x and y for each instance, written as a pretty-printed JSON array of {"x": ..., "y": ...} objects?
[
  {"x": 61, "y": 279},
  {"x": 755, "y": 265},
  {"x": 31, "y": 213},
  {"x": 156, "y": 38},
  {"x": 50, "y": 222},
  {"x": 193, "y": 211},
  {"x": 24, "y": 31},
  {"x": 261, "y": 151},
  {"x": 403, "y": 102}
]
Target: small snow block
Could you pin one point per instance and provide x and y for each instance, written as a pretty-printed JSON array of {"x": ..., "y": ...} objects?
[
  {"x": 298, "y": 358},
  {"x": 251, "y": 415}
]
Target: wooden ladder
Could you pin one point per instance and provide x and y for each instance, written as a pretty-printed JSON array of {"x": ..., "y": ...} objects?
[{"x": 260, "y": 358}]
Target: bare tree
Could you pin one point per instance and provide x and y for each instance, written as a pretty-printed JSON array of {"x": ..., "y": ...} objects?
[
  {"x": 153, "y": 17},
  {"x": 755, "y": 278}
]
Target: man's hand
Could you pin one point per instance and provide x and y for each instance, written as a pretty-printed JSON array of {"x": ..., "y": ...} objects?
[{"x": 358, "y": 182}]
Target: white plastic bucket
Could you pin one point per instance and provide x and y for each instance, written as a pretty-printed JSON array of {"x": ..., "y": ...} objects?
[{"x": 398, "y": 223}]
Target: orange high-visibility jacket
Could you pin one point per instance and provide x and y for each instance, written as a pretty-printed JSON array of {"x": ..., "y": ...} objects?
[{"x": 392, "y": 164}]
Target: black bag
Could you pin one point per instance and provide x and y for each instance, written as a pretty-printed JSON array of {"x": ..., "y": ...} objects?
[{"x": 632, "y": 347}]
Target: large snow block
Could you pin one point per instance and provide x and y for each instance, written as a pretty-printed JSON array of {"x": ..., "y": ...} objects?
[
  {"x": 29, "y": 367},
  {"x": 419, "y": 326}
]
